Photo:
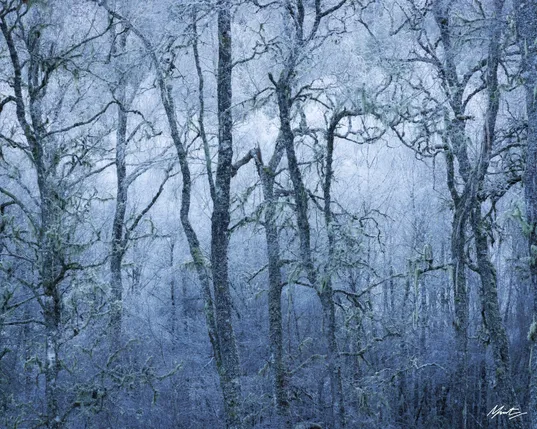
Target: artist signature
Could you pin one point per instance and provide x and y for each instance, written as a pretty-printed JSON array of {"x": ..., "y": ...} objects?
[{"x": 512, "y": 413}]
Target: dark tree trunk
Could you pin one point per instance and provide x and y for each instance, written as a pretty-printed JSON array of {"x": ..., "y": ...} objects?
[
  {"x": 267, "y": 174},
  {"x": 499, "y": 342},
  {"x": 462, "y": 308},
  {"x": 326, "y": 291},
  {"x": 324, "y": 288},
  {"x": 230, "y": 369},
  {"x": 49, "y": 234},
  {"x": 525, "y": 15},
  {"x": 492, "y": 319},
  {"x": 457, "y": 150},
  {"x": 217, "y": 311}
]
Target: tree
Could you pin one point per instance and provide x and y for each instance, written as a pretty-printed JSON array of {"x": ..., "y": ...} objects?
[
  {"x": 468, "y": 187},
  {"x": 526, "y": 36},
  {"x": 395, "y": 280},
  {"x": 59, "y": 156},
  {"x": 230, "y": 370},
  {"x": 300, "y": 41},
  {"x": 267, "y": 174},
  {"x": 122, "y": 229},
  {"x": 218, "y": 310}
]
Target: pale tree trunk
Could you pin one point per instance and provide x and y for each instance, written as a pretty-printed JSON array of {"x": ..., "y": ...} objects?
[
  {"x": 121, "y": 233},
  {"x": 201, "y": 100},
  {"x": 118, "y": 226},
  {"x": 525, "y": 15}
]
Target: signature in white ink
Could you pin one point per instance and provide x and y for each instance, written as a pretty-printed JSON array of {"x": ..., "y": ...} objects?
[{"x": 511, "y": 413}]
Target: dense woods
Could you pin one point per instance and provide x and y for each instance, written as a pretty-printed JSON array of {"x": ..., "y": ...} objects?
[{"x": 268, "y": 214}]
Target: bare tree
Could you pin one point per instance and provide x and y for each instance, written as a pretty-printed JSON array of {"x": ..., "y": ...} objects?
[
  {"x": 48, "y": 139},
  {"x": 218, "y": 310},
  {"x": 267, "y": 174},
  {"x": 301, "y": 40},
  {"x": 230, "y": 370},
  {"x": 123, "y": 227},
  {"x": 525, "y": 12},
  {"x": 467, "y": 177}
]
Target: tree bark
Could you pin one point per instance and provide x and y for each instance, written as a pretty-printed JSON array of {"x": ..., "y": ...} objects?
[
  {"x": 49, "y": 240},
  {"x": 492, "y": 319},
  {"x": 324, "y": 288},
  {"x": 217, "y": 311},
  {"x": 327, "y": 294},
  {"x": 267, "y": 174},
  {"x": 118, "y": 226},
  {"x": 230, "y": 370},
  {"x": 462, "y": 309},
  {"x": 456, "y": 149},
  {"x": 525, "y": 13}
]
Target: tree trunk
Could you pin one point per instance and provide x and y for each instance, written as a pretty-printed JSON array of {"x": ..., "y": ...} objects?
[
  {"x": 52, "y": 305},
  {"x": 324, "y": 288},
  {"x": 217, "y": 311},
  {"x": 334, "y": 365},
  {"x": 456, "y": 142},
  {"x": 492, "y": 317},
  {"x": 525, "y": 13},
  {"x": 267, "y": 174},
  {"x": 52, "y": 313},
  {"x": 173, "y": 296},
  {"x": 462, "y": 308},
  {"x": 118, "y": 226},
  {"x": 326, "y": 292},
  {"x": 49, "y": 239},
  {"x": 230, "y": 369}
]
